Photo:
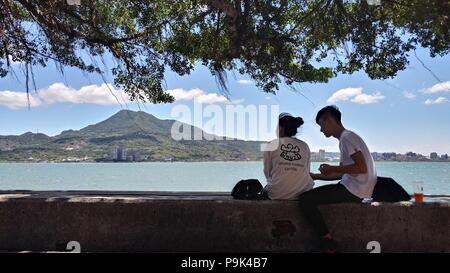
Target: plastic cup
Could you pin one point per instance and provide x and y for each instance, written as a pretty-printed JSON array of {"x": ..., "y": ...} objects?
[{"x": 418, "y": 191}]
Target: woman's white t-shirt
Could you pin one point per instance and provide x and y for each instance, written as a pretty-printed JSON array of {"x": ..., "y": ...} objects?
[{"x": 287, "y": 168}]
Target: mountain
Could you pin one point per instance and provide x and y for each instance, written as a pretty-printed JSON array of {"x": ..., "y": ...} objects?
[
  {"x": 122, "y": 123},
  {"x": 139, "y": 131}
]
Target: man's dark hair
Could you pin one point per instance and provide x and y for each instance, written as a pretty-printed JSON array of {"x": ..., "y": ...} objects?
[{"x": 329, "y": 111}]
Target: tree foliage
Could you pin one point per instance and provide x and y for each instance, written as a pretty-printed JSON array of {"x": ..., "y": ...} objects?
[{"x": 290, "y": 41}]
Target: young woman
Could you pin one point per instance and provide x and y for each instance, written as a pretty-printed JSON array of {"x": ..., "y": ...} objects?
[{"x": 287, "y": 161}]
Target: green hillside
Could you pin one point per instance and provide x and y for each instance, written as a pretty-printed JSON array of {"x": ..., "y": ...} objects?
[{"x": 146, "y": 134}]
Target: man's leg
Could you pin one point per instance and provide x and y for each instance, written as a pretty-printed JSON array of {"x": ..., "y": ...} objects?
[{"x": 328, "y": 194}]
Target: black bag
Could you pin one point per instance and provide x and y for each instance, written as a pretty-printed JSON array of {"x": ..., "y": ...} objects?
[
  {"x": 387, "y": 190},
  {"x": 248, "y": 189}
]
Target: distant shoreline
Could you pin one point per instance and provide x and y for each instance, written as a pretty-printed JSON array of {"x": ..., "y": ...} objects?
[{"x": 194, "y": 161}]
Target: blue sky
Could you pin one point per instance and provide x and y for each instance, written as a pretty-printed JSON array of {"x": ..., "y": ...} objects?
[{"x": 408, "y": 113}]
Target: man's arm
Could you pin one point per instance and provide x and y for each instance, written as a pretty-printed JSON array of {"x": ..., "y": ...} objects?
[{"x": 358, "y": 167}]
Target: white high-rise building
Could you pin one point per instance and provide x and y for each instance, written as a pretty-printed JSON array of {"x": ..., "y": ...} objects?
[{"x": 321, "y": 155}]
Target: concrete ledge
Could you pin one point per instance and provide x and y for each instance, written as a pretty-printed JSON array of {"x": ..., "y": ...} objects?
[{"x": 210, "y": 222}]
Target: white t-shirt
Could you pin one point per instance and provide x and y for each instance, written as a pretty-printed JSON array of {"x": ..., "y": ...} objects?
[
  {"x": 360, "y": 185},
  {"x": 287, "y": 168}
]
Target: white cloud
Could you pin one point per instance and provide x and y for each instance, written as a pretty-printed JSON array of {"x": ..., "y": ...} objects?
[
  {"x": 437, "y": 88},
  {"x": 440, "y": 100},
  {"x": 356, "y": 95},
  {"x": 246, "y": 82},
  {"x": 200, "y": 96},
  {"x": 60, "y": 93},
  {"x": 17, "y": 100},
  {"x": 409, "y": 95},
  {"x": 368, "y": 99},
  {"x": 95, "y": 94},
  {"x": 344, "y": 94}
]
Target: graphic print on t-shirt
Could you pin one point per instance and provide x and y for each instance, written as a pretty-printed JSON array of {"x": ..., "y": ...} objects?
[{"x": 290, "y": 152}]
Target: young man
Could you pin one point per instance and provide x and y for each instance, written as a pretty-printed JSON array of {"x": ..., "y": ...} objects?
[{"x": 356, "y": 172}]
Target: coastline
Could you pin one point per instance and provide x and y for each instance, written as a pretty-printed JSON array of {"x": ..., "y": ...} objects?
[{"x": 200, "y": 161}]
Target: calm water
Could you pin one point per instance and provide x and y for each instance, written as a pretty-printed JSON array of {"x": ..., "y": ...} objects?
[{"x": 181, "y": 176}]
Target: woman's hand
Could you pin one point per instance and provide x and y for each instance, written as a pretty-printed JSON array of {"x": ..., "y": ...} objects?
[
  {"x": 330, "y": 177},
  {"x": 315, "y": 176}
]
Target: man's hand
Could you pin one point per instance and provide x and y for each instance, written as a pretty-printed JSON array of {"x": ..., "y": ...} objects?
[
  {"x": 359, "y": 166},
  {"x": 326, "y": 169}
]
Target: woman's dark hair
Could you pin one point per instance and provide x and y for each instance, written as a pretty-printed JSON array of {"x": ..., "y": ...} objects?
[
  {"x": 290, "y": 125},
  {"x": 329, "y": 111}
]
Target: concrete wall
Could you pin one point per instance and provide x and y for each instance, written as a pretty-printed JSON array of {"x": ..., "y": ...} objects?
[{"x": 149, "y": 222}]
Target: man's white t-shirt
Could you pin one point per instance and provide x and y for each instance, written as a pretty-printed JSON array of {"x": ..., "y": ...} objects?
[
  {"x": 360, "y": 185},
  {"x": 287, "y": 168}
]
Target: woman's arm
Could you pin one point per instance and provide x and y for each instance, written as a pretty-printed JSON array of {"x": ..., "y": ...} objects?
[
  {"x": 267, "y": 164},
  {"x": 330, "y": 177}
]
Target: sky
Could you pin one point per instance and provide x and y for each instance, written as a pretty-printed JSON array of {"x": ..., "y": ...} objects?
[{"x": 407, "y": 113}]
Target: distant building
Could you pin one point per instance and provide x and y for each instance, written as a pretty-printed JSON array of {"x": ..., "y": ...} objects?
[
  {"x": 389, "y": 156},
  {"x": 444, "y": 157},
  {"x": 321, "y": 155},
  {"x": 376, "y": 156},
  {"x": 133, "y": 155},
  {"x": 121, "y": 154},
  {"x": 421, "y": 157},
  {"x": 433, "y": 156},
  {"x": 117, "y": 154}
]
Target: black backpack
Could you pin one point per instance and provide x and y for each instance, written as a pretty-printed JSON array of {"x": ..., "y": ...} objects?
[
  {"x": 387, "y": 190},
  {"x": 248, "y": 189}
]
